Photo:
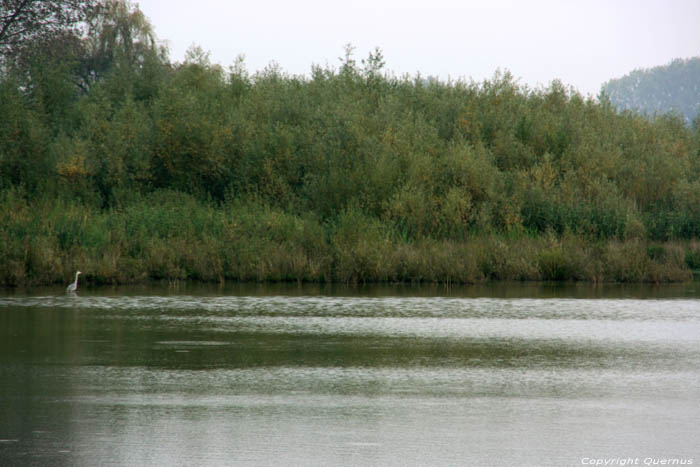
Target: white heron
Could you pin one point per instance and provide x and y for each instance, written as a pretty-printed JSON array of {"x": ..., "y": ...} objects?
[{"x": 74, "y": 285}]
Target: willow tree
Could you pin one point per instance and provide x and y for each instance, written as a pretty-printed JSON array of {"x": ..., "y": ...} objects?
[
  {"x": 23, "y": 22},
  {"x": 119, "y": 37}
]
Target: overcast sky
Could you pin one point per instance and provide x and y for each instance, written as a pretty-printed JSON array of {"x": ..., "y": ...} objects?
[{"x": 582, "y": 43}]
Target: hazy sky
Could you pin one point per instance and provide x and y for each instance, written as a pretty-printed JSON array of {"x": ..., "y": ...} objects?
[{"x": 582, "y": 43}]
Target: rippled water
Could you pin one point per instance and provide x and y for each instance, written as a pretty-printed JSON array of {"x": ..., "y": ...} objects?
[{"x": 298, "y": 377}]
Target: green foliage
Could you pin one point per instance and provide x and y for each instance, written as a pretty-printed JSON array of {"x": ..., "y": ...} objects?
[
  {"x": 361, "y": 244},
  {"x": 177, "y": 171},
  {"x": 25, "y": 159},
  {"x": 692, "y": 256},
  {"x": 172, "y": 236}
]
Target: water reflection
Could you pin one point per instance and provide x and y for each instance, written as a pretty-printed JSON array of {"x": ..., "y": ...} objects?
[{"x": 361, "y": 378}]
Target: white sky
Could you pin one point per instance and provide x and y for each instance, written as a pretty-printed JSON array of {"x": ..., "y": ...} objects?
[{"x": 583, "y": 43}]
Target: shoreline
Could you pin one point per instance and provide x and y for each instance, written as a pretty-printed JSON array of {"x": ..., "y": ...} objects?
[
  {"x": 505, "y": 290},
  {"x": 174, "y": 237}
]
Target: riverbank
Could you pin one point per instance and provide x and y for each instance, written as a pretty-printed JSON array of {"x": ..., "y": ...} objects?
[
  {"x": 186, "y": 172},
  {"x": 174, "y": 237}
]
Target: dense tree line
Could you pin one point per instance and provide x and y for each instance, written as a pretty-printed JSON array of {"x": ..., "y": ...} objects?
[
  {"x": 670, "y": 88},
  {"x": 112, "y": 156}
]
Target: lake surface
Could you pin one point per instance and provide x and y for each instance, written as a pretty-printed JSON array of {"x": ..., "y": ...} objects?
[{"x": 248, "y": 375}]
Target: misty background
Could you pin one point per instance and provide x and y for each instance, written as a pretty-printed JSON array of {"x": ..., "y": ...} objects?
[{"x": 583, "y": 44}]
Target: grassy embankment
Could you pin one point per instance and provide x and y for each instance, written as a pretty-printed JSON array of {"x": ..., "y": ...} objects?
[{"x": 172, "y": 236}]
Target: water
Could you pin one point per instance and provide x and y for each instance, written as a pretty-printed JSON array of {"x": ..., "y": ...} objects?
[{"x": 504, "y": 375}]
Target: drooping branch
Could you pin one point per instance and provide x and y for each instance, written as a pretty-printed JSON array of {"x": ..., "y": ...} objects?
[
  {"x": 10, "y": 19},
  {"x": 22, "y": 21}
]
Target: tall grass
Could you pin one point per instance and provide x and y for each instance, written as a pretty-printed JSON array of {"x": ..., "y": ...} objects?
[{"x": 172, "y": 236}]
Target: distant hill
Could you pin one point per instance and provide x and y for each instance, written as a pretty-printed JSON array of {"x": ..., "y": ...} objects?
[{"x": 673, "y": 87}]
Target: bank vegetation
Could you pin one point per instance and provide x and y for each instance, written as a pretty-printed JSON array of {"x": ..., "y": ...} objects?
[{"x": 117, "y": 162}]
